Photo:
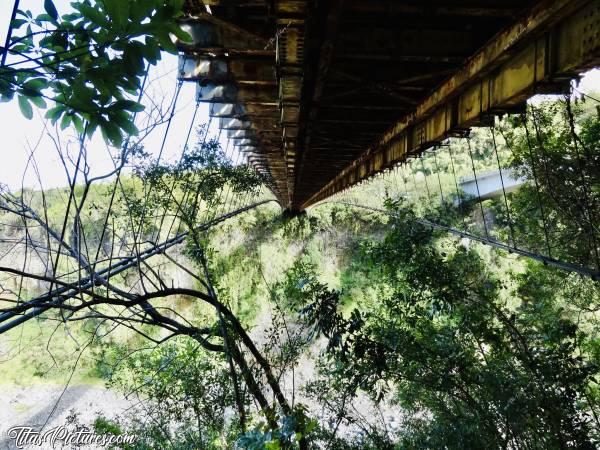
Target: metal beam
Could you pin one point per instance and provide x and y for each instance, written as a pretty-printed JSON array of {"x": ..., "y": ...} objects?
[
  {"x": 554, "y": 43},
  {"x": 325, "y": 57},
  {"x": 209, "y": 31},
  {"x": 386, "y": 57},
  {"x": 395, "y": 7}
]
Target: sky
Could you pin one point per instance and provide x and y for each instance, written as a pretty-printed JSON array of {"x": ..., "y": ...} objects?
[
  {"x": 20, "y": 138},
  {"x": 28, "y": 155}
]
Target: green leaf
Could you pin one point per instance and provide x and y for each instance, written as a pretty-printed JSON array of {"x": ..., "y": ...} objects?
[
  {"x": 82, "y": 92},
  {"x": 92, "y": 125},
  {"x": 44, "y": 18},
  {"x": 311, "y": 426},
  {"x": 6, "y": 96},
  {"x": 20, "y": 48},
  {"x": 28, "y": 39},
  {"x": 27, "y": 13},
  {"x": 129, "y": 128},
  {"x": 272, "y": 445},
  {"x": 164, "y": 38},
  {"x": 141, "y": 9},
  {"x": 78, "y": 123},
  {"x": 54, "y": 113},
  {"x": 151, "y": 50},
  {"x": 70, "y": 17},
  {"x": 38, "y": 101},
  {"x": 65, "y": 122},
  {"x": 111, "y": 133},
  {"x": 133, "y": 58},
  {"x": 17, "y": 23},
  {"x": 35, "y": 84},
  {"x": 93, "y": 15},
  {"x": 129, "y": 105},
  {"x": 51, "y": 9},
  {"x": 182, "y": 35},
  {"x": 124, "y": 121},
  {"x": 177, "y": 5},
  {"x": 59, "y": 39},
  {"x": 25, "y": 107},
  {"x": 118, "y": 11}
]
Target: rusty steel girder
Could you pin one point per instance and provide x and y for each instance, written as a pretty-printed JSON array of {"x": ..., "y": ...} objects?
[
  {"x": 307, "y": 88},
  {"x": 541, "y": 53},
  {"x": 235, "y": 74}
]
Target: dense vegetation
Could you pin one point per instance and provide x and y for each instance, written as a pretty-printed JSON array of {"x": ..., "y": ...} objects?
[
  {"x": 382, "y": 332},
  {"x": 450, "y": 344}
]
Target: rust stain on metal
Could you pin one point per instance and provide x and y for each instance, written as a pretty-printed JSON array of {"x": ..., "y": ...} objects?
[{"x": 326, "y": 94}]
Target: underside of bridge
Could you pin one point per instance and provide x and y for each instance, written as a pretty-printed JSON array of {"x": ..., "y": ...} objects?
[{"x": 322, "y": 94}]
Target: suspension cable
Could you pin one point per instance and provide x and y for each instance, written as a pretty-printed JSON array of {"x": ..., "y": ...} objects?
[
  {"x": 65, "y": 292},
  {"x": 594, "y": 275},
  {"x": 458, "y": 192},
  {"x": 586, "y": 196},
  {"x": 510, "y": 222},
  {"x": 425, "y": 177},
  {"x": 172, "y": 186},
  {"x": 437, "y": 169},
  {"x": 537, "y": 187},
  {"x": 120, "y": 169},
  {"x": 477, "y": 186}
]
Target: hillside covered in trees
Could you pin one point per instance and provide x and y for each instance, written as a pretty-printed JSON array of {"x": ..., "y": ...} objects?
[{"x": 369, "y": 328}]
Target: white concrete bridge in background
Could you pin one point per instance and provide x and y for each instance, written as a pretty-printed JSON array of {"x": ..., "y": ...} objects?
[{"x": 490, "y": 183}]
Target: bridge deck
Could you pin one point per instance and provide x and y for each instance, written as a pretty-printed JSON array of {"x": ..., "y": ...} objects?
[
  {"x": 324, "y": 94},
  {"x": 490, "y": 184}
]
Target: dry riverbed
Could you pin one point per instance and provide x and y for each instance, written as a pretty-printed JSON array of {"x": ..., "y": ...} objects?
[{"x": 48, "y": 406}]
